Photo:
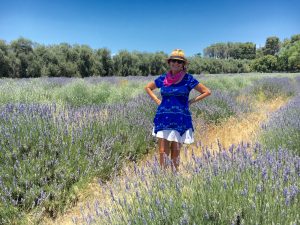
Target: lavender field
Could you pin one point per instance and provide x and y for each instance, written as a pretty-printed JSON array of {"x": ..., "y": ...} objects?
[
  {"x": 283, "y": 128},
  {"x": 58, "y": 134},
  {"x": 239, "y": 185}
]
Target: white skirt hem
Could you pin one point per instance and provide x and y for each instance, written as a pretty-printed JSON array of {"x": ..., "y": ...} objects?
[{"x": 174, "y": 135}]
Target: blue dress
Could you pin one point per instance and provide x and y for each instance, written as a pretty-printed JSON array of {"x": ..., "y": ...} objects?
[{"x": 173, "y": 113}]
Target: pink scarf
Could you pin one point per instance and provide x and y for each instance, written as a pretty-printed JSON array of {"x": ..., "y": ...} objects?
[{"x": 169, "y": 79}]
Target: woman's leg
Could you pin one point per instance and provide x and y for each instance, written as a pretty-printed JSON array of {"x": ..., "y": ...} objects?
[
  {"x": 175, "y": 154},
  {"x": 164, "y": 151}
]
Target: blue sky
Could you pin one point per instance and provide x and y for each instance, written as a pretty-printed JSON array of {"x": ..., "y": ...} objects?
[{"x": 148, "y": 26}]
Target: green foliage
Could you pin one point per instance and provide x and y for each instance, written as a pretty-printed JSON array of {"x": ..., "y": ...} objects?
[
  {"x": 265, "y": 64},
  {"x": 231, "y": 50},
  {"x": 80, "y": 93},
  {"x": 5, "y": 67},
  {"x": 272, "y": 46},
  {"x": 103, "y": 62},
  {"x": 259, "y": 53},
  {"x": 86, "y": 60},
  {"x": 23, "y": 58},
  {"x": 77, "y": 92},
  {"x": 295, "y": 38},
  {"x": 289, "y": 57},
  {"x": 199, "y": 65},
  {"x": 124, "y": 64}
]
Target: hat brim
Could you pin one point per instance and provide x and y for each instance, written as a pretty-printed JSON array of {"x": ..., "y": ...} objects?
[{"x": 178, "y": 58}]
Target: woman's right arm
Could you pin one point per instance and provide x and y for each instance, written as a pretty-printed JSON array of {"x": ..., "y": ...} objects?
[{"x": 149, "y": 89}]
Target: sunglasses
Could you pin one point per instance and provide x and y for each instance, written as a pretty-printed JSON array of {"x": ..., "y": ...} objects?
[{"x": 176, "y": 60}]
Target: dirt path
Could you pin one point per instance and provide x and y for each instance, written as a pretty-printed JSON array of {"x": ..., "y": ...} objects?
[{"x": 233, "y": 131}]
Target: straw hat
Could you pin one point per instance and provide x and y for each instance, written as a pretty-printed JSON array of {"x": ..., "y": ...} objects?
[{"x": 177, "y": 54}]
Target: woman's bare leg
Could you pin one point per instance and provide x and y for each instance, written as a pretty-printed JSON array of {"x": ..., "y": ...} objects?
[
  {"x": 164, "y": 151},
  {"x": 175, "y": 154}
]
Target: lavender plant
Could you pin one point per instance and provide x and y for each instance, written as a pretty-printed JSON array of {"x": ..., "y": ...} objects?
[
  {"x": 71, "y": 91},
  {"x": 283, "y": 128},
  {"x": 271, "y": 87},
  {"x": 239, "y": 185},
  {"x": 56, "y": 134},
  {"x": 47, "y": 152}
]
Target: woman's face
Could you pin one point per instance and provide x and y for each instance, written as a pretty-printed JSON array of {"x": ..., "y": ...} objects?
[{"x": 176, "y": 65}]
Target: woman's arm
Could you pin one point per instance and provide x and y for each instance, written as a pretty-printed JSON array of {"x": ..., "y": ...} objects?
[
  {"x": 204, "y": 93},
  {"x": 149, "y": 89}
]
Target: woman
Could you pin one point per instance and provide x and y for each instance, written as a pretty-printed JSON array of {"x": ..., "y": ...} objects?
[{"x": 173, "y": 122}]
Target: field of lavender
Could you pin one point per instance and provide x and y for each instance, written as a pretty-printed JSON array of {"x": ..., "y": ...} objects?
[
  {"x": 283, "y": 129},
  {"x": 57, "y": 134},
  {"x": 239, "y": 185}
]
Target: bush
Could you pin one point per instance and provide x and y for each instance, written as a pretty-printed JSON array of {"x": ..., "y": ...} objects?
[{"x": 265, "y": 64}]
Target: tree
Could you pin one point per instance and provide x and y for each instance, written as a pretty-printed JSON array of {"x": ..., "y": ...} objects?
[
  {"x": 267, "y": 63},
  {"x": 272, "y": 46},
  {"x": 158, "y": 63},
  {"x": 289, "y": 57},
  {"x": 248, "y": 50},
  {"x": 23, "y": 58},
  {"x": 5, "y": 69},
  {"x": 22, "y": 45},
  {"x": 295, "y": 38},
  {"x": 143, "y": 63},
  {"x": 104, "y": 62},
  {"x": 231, "y": 50},
  {"x": 86, "y": 60},
  {"x": 124, "y": 63},
  {"x": 195, "y": 63},
  {"x": 259, "y": 53}
]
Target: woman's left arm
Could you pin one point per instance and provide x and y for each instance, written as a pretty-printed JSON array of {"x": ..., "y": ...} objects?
[{"x": 204, "y": 93}]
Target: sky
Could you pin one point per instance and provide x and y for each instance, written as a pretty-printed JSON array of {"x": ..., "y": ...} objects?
[{"x": 148, "y": 26}]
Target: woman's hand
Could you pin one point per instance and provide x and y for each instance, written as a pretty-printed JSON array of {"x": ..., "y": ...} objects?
[
  {"x": 158, "y": 101},
  {"x": 204, "y": 93},
  {"x": 149, "y": 89}
]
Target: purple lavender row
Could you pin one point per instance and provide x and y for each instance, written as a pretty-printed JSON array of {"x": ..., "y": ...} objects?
[
  {"x": 47, "y": 150},
  {"x": 240, "y": 185},
  {"x": 283, "y": 127}
]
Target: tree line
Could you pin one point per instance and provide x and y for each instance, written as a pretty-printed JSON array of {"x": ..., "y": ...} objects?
[
  {"x": 23, "y": 58},
  {"x": 274, "y": 56}
]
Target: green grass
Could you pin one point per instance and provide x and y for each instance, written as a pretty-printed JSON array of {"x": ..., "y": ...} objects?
[{"x": 75, "y": 92}]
